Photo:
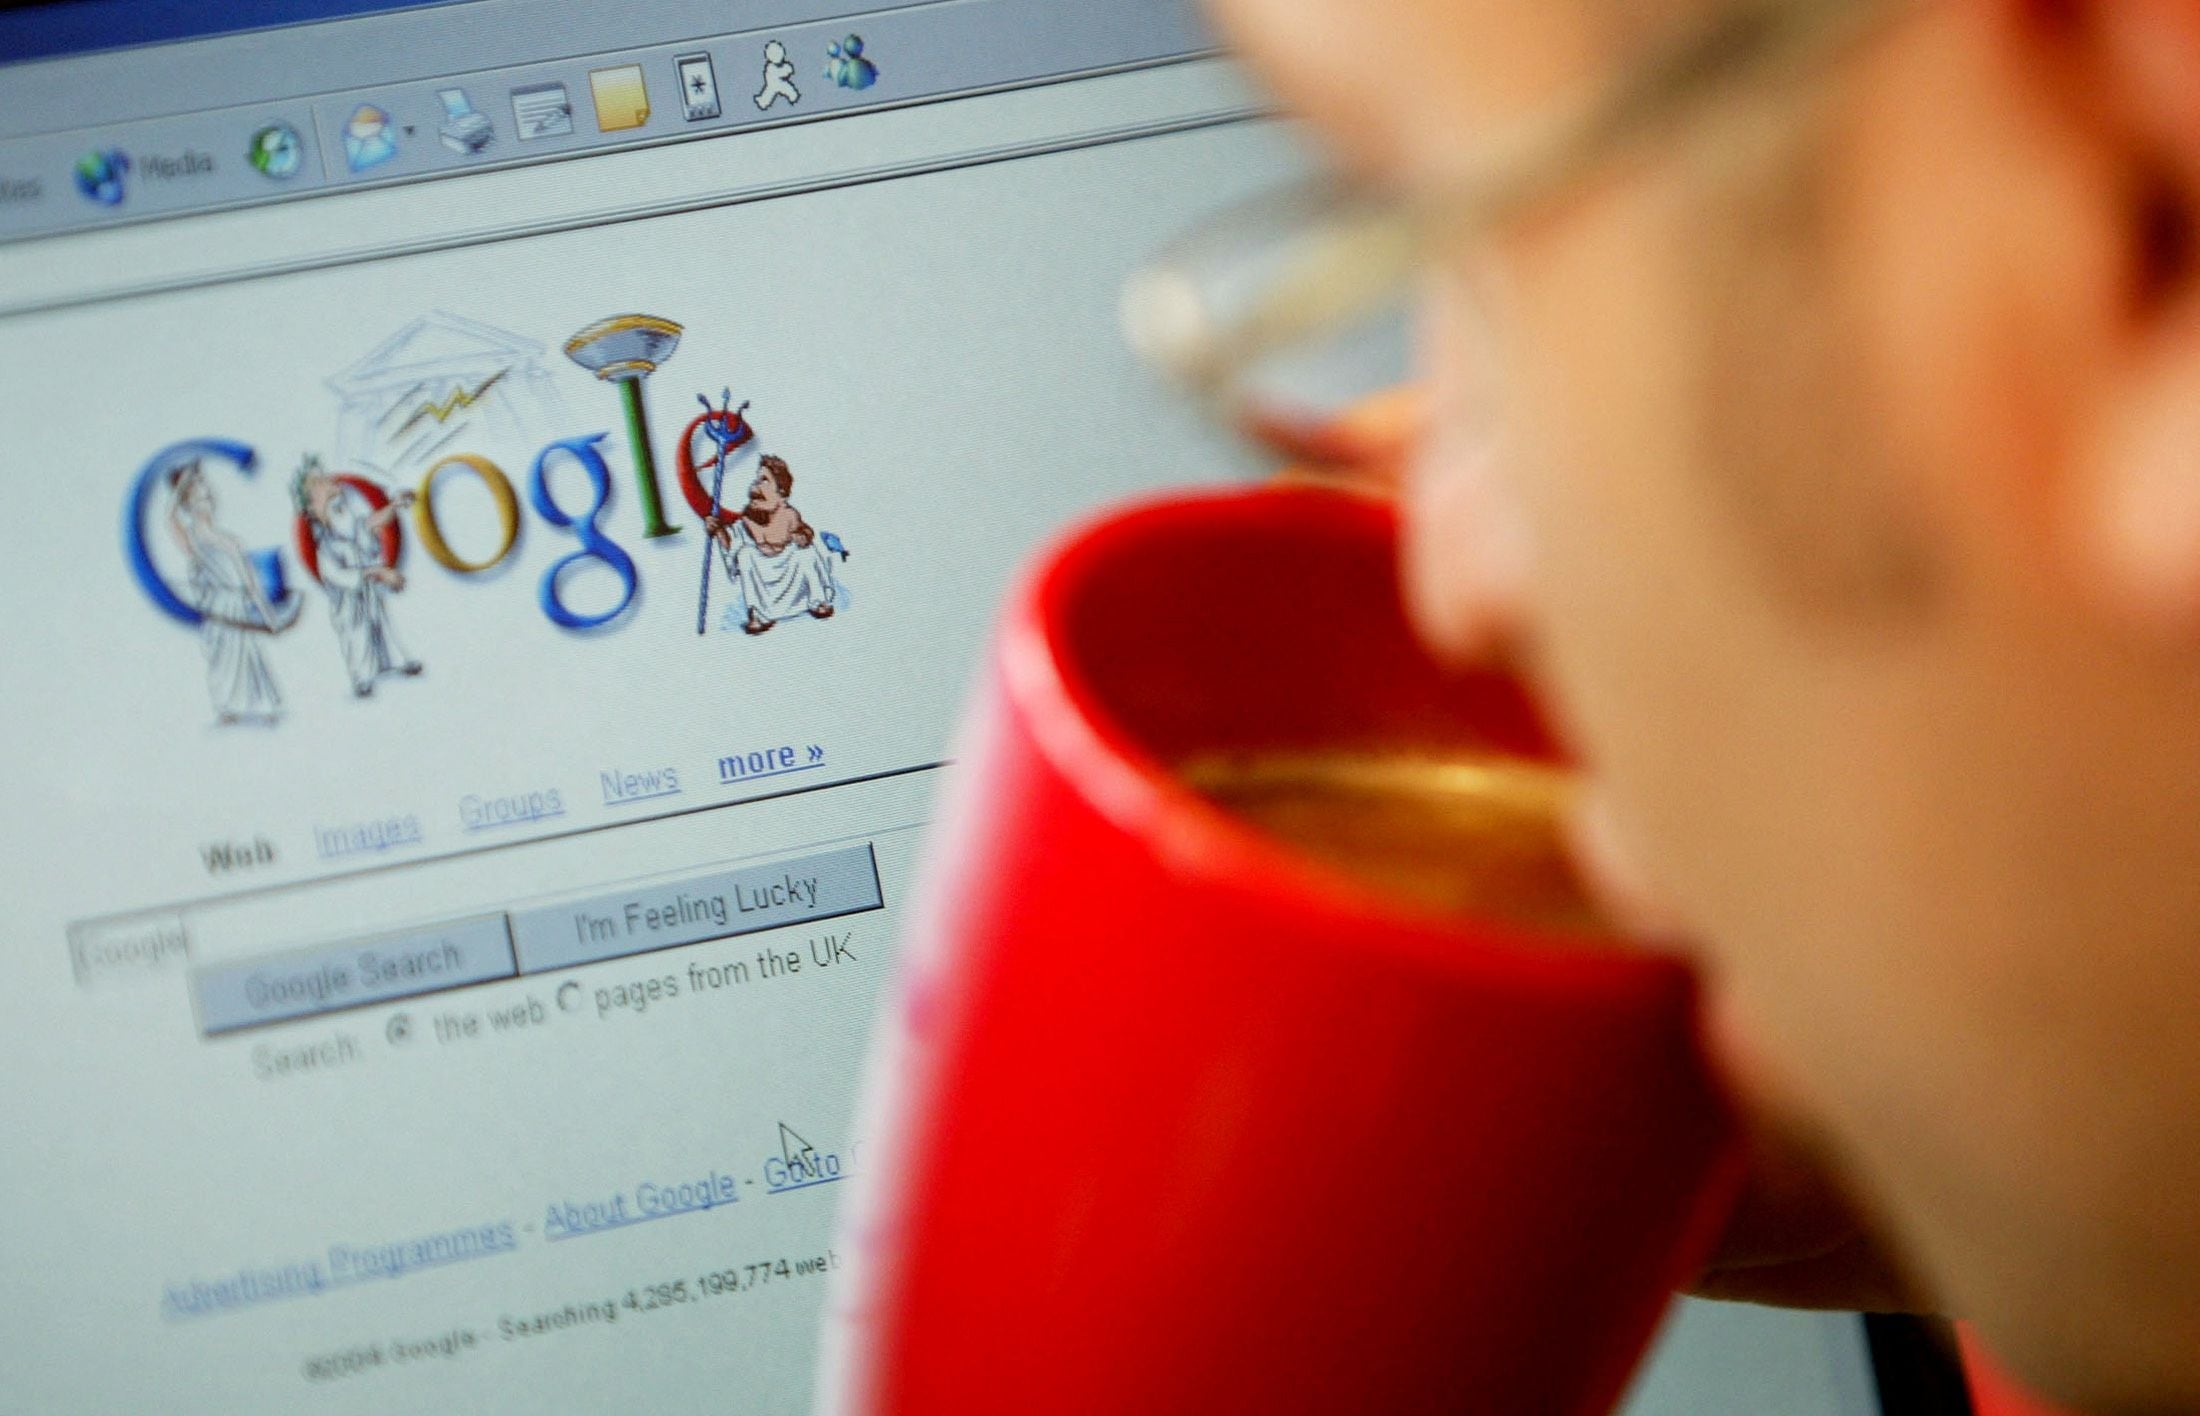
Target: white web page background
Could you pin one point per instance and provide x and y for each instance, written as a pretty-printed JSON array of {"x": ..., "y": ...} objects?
[{"x": 935, "y": 358}]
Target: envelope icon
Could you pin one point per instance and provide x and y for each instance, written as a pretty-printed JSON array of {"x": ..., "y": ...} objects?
[{"x": 622, "y": 99}]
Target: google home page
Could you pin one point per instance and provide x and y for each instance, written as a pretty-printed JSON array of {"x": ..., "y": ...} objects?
[{"x": 452, "y": 878}]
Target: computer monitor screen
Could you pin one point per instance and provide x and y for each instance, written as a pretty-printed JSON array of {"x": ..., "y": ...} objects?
[{"x": 506, "y": 500}]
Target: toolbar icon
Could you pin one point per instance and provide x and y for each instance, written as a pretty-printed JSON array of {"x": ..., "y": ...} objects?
[
  {"x": 99, "y": 176},
  {"x": 367, "y": 140},
  {"x": 465, "y": 131},
  {"x": 541, "y": 111},
  {"x": 276, "y": 151},
  {"x": 698, "y": 87},
  {"x": 778, "y": 77},
  {"x": 622, "y": 98},
  {"x": 846, "y": 66}
]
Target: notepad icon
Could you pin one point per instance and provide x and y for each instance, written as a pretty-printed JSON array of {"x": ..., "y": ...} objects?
[
  {"x": 541, "y": 111},
  {"x": 622, "y": 99}
]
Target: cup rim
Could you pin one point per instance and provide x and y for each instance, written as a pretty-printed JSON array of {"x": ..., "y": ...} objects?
[{"x": 1135, "y": 790}]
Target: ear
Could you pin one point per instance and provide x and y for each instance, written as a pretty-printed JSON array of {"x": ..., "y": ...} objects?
[
  {"x": 2133, "y": 521},
  {"x": 2025, "y": 177}
]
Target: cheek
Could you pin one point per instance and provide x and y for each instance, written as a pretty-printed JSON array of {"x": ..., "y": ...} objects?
[{"x": 1650, "y": 636}]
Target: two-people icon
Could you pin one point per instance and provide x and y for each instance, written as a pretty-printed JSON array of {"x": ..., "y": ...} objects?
[{"x": 846, "y": 66}]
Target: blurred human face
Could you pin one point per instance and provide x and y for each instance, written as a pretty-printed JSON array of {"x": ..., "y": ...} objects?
[
  {"x": 1921, "y": 825},
  {"x": 1590, "y": 534},
  {"x": 321, "y": 495},
  {"x": 198, "y": 500}
]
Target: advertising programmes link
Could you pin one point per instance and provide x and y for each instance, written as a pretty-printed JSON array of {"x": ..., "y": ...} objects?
[{"x": 421, "y": 423}]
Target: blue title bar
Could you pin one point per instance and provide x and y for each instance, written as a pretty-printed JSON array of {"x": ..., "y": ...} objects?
[{"x": 53, "y": 30}]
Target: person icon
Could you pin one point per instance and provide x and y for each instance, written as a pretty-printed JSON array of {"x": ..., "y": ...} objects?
[
  {"x": 347, "y": 541},
  {"x": 778, "y": 77},
  {"x": 772, "y": 554},
  {"x": 236, "y": 613}
]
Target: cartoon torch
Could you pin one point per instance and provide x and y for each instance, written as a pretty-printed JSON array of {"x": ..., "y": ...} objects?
[
  {"x": 723, "y": 426},
  {"x": 625, "y": 350}
]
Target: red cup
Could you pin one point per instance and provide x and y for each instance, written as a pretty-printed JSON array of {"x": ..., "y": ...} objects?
[
  {"x": 1994, "y": 1393},
  {"x": 1170, "y": 1118}
]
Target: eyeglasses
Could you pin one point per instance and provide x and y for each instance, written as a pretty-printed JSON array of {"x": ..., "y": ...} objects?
[{"x": 1287, "y": 314}]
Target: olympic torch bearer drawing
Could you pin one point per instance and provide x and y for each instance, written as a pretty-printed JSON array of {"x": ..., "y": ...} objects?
[
  {"x": 722, "y": 425},
  {"x": 625, "y": 350}
]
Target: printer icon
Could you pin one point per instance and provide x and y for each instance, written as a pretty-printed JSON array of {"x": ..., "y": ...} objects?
[{"x": 465, "y": 131}]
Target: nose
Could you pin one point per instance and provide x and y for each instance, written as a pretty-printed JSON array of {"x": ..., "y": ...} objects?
[
  {"x": 1465, "y": 552},
  {"x": 1467, "y": 548}
]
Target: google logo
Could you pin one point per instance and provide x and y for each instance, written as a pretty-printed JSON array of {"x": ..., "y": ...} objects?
[{"x": 728, "y": 430}]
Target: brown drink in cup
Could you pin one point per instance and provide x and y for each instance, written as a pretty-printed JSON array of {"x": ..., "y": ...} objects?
[{"x": 1458, "y": 833}]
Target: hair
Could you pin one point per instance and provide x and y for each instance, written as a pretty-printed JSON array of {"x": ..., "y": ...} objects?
[
  {"x": 307, "y": 470},
  {"x": 777, "y": 467}
]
